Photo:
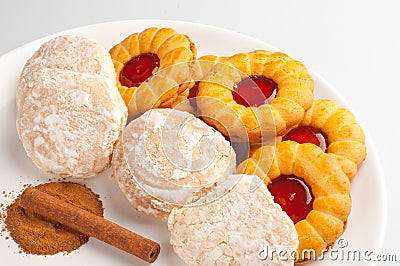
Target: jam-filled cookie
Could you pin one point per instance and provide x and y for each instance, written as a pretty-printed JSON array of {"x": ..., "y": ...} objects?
[
  {"x": 332, "y": 128},
  {"x": 254, "y": 94},
  {"x": 142, "y": 55},
  {"x": 313, "y": 188},
  {"x": 186, "y": 100},
  {"x": 200, "y": 69}
]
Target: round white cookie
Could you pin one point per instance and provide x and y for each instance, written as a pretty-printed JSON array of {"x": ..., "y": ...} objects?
[
  {"x": 241, "y": 228},
  {"x": 68, "y": 122},
  {"x": 140, "y": 199},
  {"x": 173, "y": 159},
  {"x": 73, "y": 53}
]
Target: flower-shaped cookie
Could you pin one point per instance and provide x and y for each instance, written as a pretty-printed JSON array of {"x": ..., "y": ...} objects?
[
  {"x": 250, "y": 93},
  {"x": 313, "y": 187},
  {"x": 329, "y": 126},
  {"x": 142, "y": 55}
]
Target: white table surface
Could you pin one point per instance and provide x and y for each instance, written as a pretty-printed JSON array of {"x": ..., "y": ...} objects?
[{"x": 354, "y": 45}]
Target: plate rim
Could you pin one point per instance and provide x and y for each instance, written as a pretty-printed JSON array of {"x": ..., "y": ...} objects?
[{"x": 373, "y": 152}]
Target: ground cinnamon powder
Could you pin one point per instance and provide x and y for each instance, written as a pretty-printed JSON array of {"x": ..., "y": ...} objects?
[{"x": 37, "y": 235}]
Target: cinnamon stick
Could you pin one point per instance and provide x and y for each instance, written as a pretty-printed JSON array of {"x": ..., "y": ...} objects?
[{"x": 89, "y": 224}]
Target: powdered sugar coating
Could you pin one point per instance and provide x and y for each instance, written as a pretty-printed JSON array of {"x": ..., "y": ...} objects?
[
  {"x": 174, "y": 155},
  {"x": 141, "y": 200},
  {"x": 232, "y": 229},
  {"x": 74, "y": 53},
  {"x": 68, "y": 122},
  {"x": 159, "y": 178}
]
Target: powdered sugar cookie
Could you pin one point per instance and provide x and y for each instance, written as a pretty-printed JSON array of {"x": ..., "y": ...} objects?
[
  {"x": 236, "y": 229},
  {"x": 173, "y": 159},
  {"x": 70, "y": 53},
  {"x": 68, "y": 122}
]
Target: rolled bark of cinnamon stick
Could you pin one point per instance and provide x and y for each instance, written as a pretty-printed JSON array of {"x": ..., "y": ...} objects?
[{"x": 89, "y": 224}]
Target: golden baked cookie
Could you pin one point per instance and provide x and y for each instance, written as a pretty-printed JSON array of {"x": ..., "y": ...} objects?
[
  {"x": 332, "y": 128},
  {"x": 201, "y": 68},
  {"x": 186, "y": 100},
  {"x": 142, "y": 55},
  {"x": 313, "y": 187},
  {"x": 230, "y": 101}
]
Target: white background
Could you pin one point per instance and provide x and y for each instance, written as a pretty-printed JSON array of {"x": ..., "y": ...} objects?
[{"x": 354, "y": 45}]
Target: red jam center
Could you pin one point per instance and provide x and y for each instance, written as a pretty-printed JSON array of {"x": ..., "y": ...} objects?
[
  {"x": 193, "y": 93},
  {"x": 254, "y": 91},
  {"x": 294, "y": 196},
  {"x": 307, "y": 135},
  {"x": 139, "y": 69}
]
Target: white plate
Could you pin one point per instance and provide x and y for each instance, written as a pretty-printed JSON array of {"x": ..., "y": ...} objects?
[{"x": 366, "y": 222}]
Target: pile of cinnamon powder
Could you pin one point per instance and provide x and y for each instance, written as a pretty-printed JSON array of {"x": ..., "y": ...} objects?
[{"x": 37, "y": 235}]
